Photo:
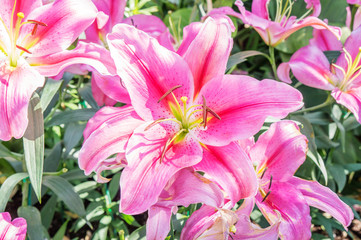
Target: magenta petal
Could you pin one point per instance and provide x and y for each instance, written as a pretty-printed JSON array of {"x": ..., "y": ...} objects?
[
  {"x": 325, "y": 40},
  {"x": 283, "y": 72},
  {"x": 230, "y": 167},
  {"x": 99, "y": 96},
  {"x": 113, "y": 126},
  {"x": 260, "y": 8},
  {"x": 12, "y": 230},
  {"x": 350, "y": 99},
  {"x": 112, "y": 87},
  {"x": 243, "y": 103},
  {"x": 294, "y": 210},
  {"x": 65, "y": 18},
  {"x": 24, "y": 6},
  {"x": 208, "y": 53},
  {"x": 16, "y": 88},
  {"x": 85, "y": 53},
  {"x": 154, "y": 26},
  {"x": 148, "y": 71},
  {"x": 158, "y": 223},
  {"x": 189, "y": 33},
  {"x": 323, "y": 198},
  {"x": 189, "y": 187},
  {"x": 275, "y": 148},
  {"x": 311, "y": 67},
  {"x": 145, "y": 176},
  {"x": 352, "y": 46}
]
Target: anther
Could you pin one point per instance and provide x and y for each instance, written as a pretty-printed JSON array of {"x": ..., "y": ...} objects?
[
  {"x": 23, "y": 49},
  {"x": 213, "y": 113},
  {"x": 264, "y": 172},
  {"x": 270, "y": 182},
  {"x": 165, "y": 149},
  {"x": 38, "y": 23},
  {"x": 265, "y": 197},
  {"x": 154, "y": 123},
  {"x": 168, "y": 92},
  {"x": 34, "y": 29}
]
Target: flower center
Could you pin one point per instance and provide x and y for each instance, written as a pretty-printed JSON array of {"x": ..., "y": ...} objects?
[
  {"x": 18, "y": 47},
  {"x": 352, "y": 71},
  {"x": 185, "y": 116},
  {"x": 265, "y": 186}
]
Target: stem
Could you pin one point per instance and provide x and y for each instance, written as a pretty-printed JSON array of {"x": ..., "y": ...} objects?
[
  {"x": 25, "y": 192},
  {"x": 328, "y": 101},
  {"x": 272, "y": 61},
  {"x": 353, "y": 13}
]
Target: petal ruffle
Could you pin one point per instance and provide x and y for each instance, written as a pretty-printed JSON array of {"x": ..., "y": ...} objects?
[
  {"x": 230, "y": 167},
  {"x": 275, "y": 148},
  {"x": 146, "y": 176},
  {"x": 16, "y": 88},
  {"x": 350, "y": 99},
  {"x": 148, "y": 71},
  {"x": 323, "y": 198},
  {"x": 12, "y": 230},
  {"x": 243, "y": 103},
  {"x": 113, "y": 126}
]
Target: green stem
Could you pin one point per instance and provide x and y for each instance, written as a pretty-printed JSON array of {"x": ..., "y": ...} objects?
[
  {"x": 25, "y": 192},
  {"x": 328, "y": 101},
  {"x": 353, "y": 13},
  {"x": 272, "y": 61}
]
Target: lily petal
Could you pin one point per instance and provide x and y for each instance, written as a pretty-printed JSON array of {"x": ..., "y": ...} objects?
[
  {"x": 148, "y": 71},
  {"x": 12, "y": 230},
  {"x": 16, "y": 88},
  {"x": 114, "y": 126},
  {"x": 275, "y": 148},
  {"x": 208, "y": 53},
  {"x": 289, "y": 202},
  {"x": 230, "y": 167},
  {"x": 65, "y": 18},
  {"x": 158, "y": 223},
  {"x": 24, "y": 6},
  {"x": 243, "y": 103},
  {"x": 350, "y": 99},
  {"x": 146, "y": 175},
  {"x": 98, "y": 94},
  {"x": 323, "y": 198}
]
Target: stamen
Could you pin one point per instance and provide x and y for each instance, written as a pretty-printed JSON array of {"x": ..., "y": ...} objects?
[
  {"x": 265, "y": 197},
  {"x": 168, "y": 92},
  {"x": 213, "y": 113},
  {"x": 20, "y": 15},
  {"x": 169, "y": 141},
  {"x": 264, "y": 172},
  {"x": 204, "y": 111},
  {"x": 37, "y": 23},
  {"x": 23, "y": 49},
  {"x": 270, "y": 182},
  {"x": 34, "y": 29},
  {"x": 153, "y": 123}
]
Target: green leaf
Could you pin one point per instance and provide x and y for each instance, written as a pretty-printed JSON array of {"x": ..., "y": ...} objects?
[
  {"x": 317, "y": 159},
  {"x": 6, "y": 153},
  {"x": 114, "y": 185},
  {"x": 71, "y": 116},
  {"x": 338, "y": 173},
  {"x": 65, "y": 191},
  {"x": 51, "y": 162},
  {"x": 332, "y": 55},
  {"x": 73, "y": 134},
  {"x": 353, "y": 167},
  {"x": 35, "y": 230},
  {"x": 8, "y": 186},
  {"x": 87, "y": 95},
  {"x": 34, "y": 144},
  {"x": 242, "y": 57},
  {"x": 139, "y": 234},
  {"x": 102, "y": 231},
  {"x": 61, "y": 232},
  {"x": 47, "y": 212},
  {"x": 50, "y": 89}
]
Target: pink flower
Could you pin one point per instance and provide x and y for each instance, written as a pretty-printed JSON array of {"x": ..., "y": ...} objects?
[
  {"x": 358, "y": 2},
  {"x": 273, "y": 32},
  {"x": 277, "y": 155},
  {"x": 184, "y": 188},
  {"x": 222, "y": 223},
  {"x": 311, "y": 67},
  {"x": 184, "y": 110},
  {"x": 12, "y": 230},
  {"x": 29, "y": 34},
  {"x": 357, "y": 18}
]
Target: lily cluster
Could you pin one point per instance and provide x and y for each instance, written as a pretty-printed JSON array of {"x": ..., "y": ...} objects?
[{"x": 186, "y": 133}]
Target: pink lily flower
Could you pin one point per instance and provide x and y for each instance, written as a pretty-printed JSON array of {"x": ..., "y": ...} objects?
[
  {"x": 12, "y": 230},
  {"x": 188, "y": 108},
  {"x": 358, "y": 2},
  {"x": 311, "y": 67},
  {"x": 184, "y": 188},
  {"x": 273, "y": 32},
  {"x": 108, "y": 90},
  {"x": 277, "y": 155},
  {"x": 223, "y": 223},
  {"x": 29, "y": 33}
]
